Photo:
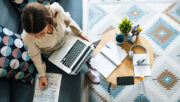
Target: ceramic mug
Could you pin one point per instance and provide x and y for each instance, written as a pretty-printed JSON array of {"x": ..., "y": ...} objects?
[{"x": 120, "y": 38}]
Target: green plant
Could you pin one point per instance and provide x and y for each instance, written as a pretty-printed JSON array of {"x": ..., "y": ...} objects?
[{"x": 125, "y": 25}]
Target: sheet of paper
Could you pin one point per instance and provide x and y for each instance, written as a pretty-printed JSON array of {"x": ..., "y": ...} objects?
[
  {"x": 145, "y": 70},
  {"x": 141, "y": 69},
  {"x": 114, "y": 52},
  {"x": 103, "y": 65},
  {"x": 51, "y": 93},
  {"x": 110, "y": 54}
]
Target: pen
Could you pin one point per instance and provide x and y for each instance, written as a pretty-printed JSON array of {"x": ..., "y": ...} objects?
[
  {"x": 107, "y": 46},
  {"x": 43, "y": 84},
  {"x": 108, "y": 58}
]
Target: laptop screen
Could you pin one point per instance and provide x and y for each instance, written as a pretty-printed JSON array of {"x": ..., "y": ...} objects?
[{"x": 73, "y": 53}]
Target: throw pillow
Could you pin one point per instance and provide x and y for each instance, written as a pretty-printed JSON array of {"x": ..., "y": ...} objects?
[
  {"x": 20, "y": 4},
  {"x": 15, "y": 62}
]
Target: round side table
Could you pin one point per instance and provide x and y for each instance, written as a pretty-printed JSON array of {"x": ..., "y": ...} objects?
[{"x": 126, "y": 66}]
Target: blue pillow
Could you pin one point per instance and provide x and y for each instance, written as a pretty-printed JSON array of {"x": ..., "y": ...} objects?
[
  {"x": 20, "y": 4},
  {"x": 15, "y": 62}
]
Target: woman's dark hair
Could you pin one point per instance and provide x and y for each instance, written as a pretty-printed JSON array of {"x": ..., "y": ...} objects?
[{"x": 35, "y": 17}]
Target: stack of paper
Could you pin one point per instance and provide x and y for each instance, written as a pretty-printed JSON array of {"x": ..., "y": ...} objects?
[
  {"x": 143, "y": 69},
  {"x": 108, "y": 59},
  {"x": 51, "y": 93}
]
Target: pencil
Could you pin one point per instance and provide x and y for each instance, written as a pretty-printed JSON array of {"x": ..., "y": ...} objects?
[{"x": 108, "y": 58}]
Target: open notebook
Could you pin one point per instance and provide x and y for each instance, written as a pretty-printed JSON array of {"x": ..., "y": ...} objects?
[
  {"x": 51, "y": 93},
  {"x": 108, "y": 59}
]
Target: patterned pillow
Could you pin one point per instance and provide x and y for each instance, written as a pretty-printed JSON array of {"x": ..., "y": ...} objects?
[
  {"x": 20, "y": 4},
  {"x": 15, "y": 62}
]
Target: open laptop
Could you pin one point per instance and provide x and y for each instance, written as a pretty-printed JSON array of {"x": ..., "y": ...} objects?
[{"x": 74, "y": 53}]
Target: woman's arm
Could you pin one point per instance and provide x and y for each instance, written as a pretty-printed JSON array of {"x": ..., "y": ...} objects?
[
  {"x": 68, "y": 21},
  {"x": 39, "y": 64},
  {"x": 74, "y": 26},
  {"x": 35, "y": 55},
  {"x": 41, "y": 68}
]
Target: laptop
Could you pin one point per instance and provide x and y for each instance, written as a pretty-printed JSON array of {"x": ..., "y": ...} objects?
[{"x": 72, "y": 55}]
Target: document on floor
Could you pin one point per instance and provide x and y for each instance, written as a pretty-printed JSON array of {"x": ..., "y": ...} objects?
[
  {"x": 108, "y": 59},
  {"x": 51, "y": 93}
]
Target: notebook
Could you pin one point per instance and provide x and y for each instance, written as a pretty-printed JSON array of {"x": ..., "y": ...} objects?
[
  {"x": 51, "y": 93},
  {"x": 108, "y": 59}
]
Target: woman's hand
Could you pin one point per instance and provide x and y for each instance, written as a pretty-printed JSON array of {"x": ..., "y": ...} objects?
[
  {"x": 43, "y": 82},
  {"x": 84, "y": 37}
]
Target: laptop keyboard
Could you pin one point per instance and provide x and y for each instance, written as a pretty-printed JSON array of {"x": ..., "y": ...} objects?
[{"x": 73, "y": 53}]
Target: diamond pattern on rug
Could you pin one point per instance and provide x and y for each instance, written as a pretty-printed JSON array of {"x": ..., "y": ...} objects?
[
  {"x": 114, "y": 90},
  {"x": 159, "y": 19},
  {"x": 162, "y": 33},
  {"x": 93, "y": 96},
  {"x": 173, "y": 11},
  {"x": 130, "y": 1},
  {"x": 141, "y": 98},
  {"x": 167, "y": 79},
  {"x": 135, "y": 13},
  {"x": 95, "y": 15}
]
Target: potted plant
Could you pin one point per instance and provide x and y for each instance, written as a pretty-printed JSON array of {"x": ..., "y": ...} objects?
[{"x": 125, "y": 26}]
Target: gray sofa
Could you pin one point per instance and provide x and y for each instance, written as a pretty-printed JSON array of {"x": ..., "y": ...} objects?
[{"x": 13, "y": 91}]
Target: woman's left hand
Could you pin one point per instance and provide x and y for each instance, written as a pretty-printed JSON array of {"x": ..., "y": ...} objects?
[{"x": 84, "y": 37}]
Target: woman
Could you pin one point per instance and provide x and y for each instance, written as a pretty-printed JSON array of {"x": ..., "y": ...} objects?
[{"x": 45, "y": 31}]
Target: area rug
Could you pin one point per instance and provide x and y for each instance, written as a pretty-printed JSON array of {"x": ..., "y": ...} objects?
[{"x": 160, "y": 20}]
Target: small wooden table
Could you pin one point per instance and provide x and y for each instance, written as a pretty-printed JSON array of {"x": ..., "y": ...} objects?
[{"x": 126, "y": 67}]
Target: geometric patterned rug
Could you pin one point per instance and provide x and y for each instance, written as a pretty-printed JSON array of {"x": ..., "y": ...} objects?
[{"x": 160, "y": 20}]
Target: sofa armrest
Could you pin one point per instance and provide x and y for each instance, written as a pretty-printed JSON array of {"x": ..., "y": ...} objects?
[
  {"x": 10, "y": 17},
  {"x": 74, "y": 7}
]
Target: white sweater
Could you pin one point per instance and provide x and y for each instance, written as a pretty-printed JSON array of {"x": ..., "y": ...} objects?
[{"x": 49, "y": 42}]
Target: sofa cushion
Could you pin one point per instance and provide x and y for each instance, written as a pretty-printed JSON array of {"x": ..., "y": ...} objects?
[
  {"x": 21, "y": 92},
  {"x": 10, "y": 17},
  {"x": 15, "y": 62},
  {"x": 5, "y": 93}
]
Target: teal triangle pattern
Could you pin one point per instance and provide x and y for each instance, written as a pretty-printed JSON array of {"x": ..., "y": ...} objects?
[
  {"x": 95, "y": 15},
  {"x": 141, "y": 98},
  {"x": 113, "y": 93}
]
